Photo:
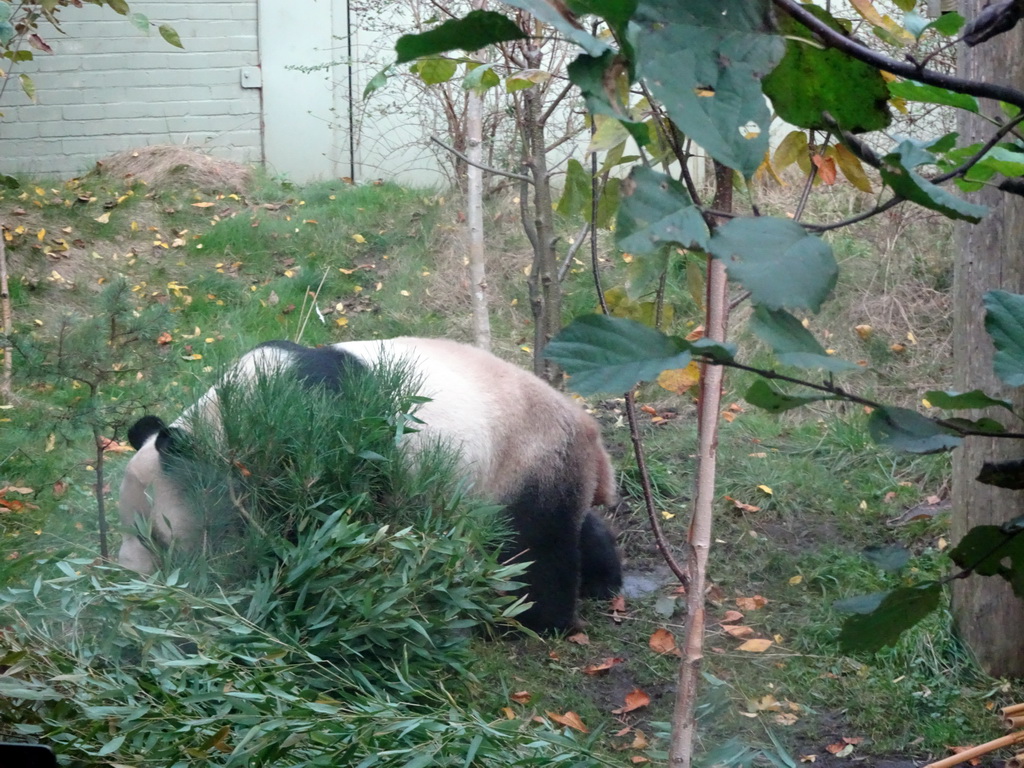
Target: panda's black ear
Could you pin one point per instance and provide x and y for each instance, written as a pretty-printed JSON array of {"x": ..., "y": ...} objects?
[
  {"x": 141, "y": 430},
  {"x": 172, "y": 442}
]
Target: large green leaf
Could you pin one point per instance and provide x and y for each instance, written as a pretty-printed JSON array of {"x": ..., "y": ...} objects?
[
  {"x": 932, "y": 94},
  {"x": 897, "y": 172},
  {"x": 1003, "y": 474},
  {"x": 477, "y": 30},
  {"x": 551, "y": 13},
  {"x": 616, "y": 12},
  {"x": 595, "y": 76},
  {"x": 704, "y": 60},
  {"x": 905, "y": 430},
  {"x": 791, "y": 342},
  {"x": 993, "y": 551},
  {"x": 952, "y": 401},
  {"x": 611, "y": 354},
  {"x": 1004, "y": 321},
  {"x": 763, "y": 395},
  {"x": 898, "y": 611},
  {"x": 777, "y": 261},
  {"x": 576, "y": 193},
  {"x": 811, "y": 80},
  {"x": 656, "y": 210}
]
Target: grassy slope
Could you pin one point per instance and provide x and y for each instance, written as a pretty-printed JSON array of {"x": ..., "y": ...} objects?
[{"x": 235, "y": 271}]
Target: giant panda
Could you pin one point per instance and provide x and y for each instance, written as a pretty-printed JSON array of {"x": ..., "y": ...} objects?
[{"x": 520, "y": 443}]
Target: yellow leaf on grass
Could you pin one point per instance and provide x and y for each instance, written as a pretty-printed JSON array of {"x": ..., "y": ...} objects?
[
  {"x": 104, "y": 218},
  {"x": 203, "y": 205},
  {"x": 358, "y": 238},
  {"x": 757, "y": 645},
  {"x": 765, "y": 488}
]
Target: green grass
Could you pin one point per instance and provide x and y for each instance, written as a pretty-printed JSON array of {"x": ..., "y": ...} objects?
[{"x": 244, "y": 271}]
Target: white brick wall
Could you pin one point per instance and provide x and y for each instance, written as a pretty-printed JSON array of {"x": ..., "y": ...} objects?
[{"x": 110, "y": 87}]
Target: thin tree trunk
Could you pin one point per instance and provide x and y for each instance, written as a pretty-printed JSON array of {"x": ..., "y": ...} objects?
[
  {"x": 988, "y": 616},
  {"x": 101, "y": 507},
  {"x": 545, "y": 290},
  {"x": 475, "y": 215},
  {"x": 684, "y": 720},
  {"x": 6, "y": 389}
]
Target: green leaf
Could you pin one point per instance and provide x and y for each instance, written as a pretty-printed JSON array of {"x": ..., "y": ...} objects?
[
  {"x": 588, "y": 73},
  {"x": 889, "y": 558},
  {"x": 550, "y": 13},
  {"x": 435, "y": 70},
  {"x": 377, "y": 82},
  {"x": 655, "y": 210},
  {"x": 616, "y": 12},
  {"x": 140, "y": 21},
  {"x": 9, "y": 182},
  {"x": 896, "y": 172},
  {"x": 111, "y": 746},
  {"x": 611, "y": 354},
  {"x": 480, "y": 77},
  {"x": 5, "y": 11},
  {"x": 1003, "y": 474},
  {"x": 1004, "y": 322},
  {"x": 952, "y": 401},
  {"x": 607, "y": 204},
  {"x": 948, "y": 24},
  {"x": 904, "y": 430},
  {"x": 777, "y": 261},
  {"x": 763, "y": 395},
  {"x": 119, "y": 6},
  {"x": 6, "y": 29},
  {"x": 791, "y": 342},
  {"x": 704, "y": 60},
  {"x": 991, "y": 551},
  {"x": 477, "y": 30},
  {"x": 898, "y": 611},
  {"x": 169, "y": 34},
  {"x": 932, "y": 94},
  {"x": 526, "y": 78},
  {"x": 988, "y": 426},
  {"x": 28, "y": 86},
  {"x": 915, "y": 23},
  {"x": 576, "y": 193},
  {"x": 811, "y": 80}
]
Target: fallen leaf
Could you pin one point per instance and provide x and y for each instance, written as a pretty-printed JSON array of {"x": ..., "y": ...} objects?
[
  {"x": 639, "y": 741},
  {"x": 757, "y": 645},
  {"x": 784, "y": 718},
  {"x": 737, "y": 630},
  {"x": 359, "y": 238},
  {"x": 508, "y": 713},
  {"x": 635, "y": 699},
  {"x": 580, "y": 638},
  {"x": 751, "y": 603},
  {"x": 569, "y": 719},
  {"x": 602, "y": 667},
  {"x": 742, "y": 506},
  {"x": 164, "y": 338},
  {"x": 619, "y": 603},
  {"x": 731, "y": 616},
  {"x": 521, "y": 697},
  {"x": 207, "y": 205},
  {"x": 662, "y": 641}
]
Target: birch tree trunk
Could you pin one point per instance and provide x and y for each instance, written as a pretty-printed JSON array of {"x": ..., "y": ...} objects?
[
  {"x": 475, "y": 214},
  {"x": 989, "y": 617}
]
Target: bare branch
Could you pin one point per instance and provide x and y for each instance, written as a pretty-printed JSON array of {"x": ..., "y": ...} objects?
[{"x": 466, "y": 160}]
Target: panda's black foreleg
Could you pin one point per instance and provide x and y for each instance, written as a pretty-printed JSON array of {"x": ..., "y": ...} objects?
[{"x": 600, "y": 565}]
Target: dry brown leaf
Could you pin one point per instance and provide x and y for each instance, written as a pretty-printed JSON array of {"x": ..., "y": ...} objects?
[
  {"x": 731, "y": 616},
  {"x": 662, "y": 641},
  {"x": 521, "y": 697},
  {"x": 751, "y": 603},
  {"x": 737, "y": 630},
  {"x": 742, "y": 505},
  {"x": 508, "y": 713},
  {"x": 826, "y": 168},
  {"x": 619, "y": 604},
  {"x": 639, "y": 759},
  {"x": 604, "y": 666},
  {"x": 580, "y": 638},
  {"x": 757, "y": 645},
  {"x": 635, "y": 699},
  {"x": 569, "y": 719}
]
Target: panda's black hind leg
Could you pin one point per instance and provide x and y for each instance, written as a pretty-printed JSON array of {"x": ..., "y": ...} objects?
[{"x": 600, "y": 565}]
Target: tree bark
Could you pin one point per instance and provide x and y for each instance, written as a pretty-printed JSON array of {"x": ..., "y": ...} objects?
[
  {"x": 475, "y": 214},
  {"x": 987, "y": 614}
]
